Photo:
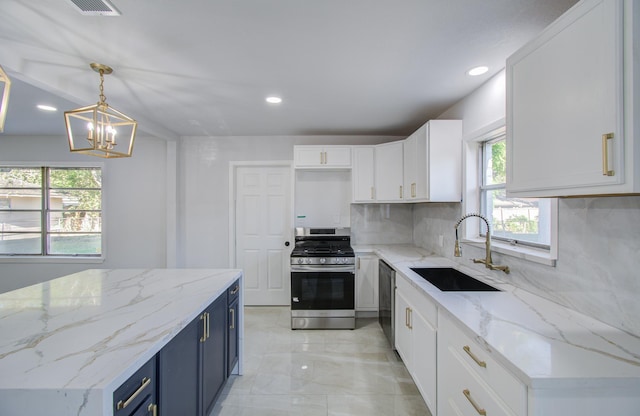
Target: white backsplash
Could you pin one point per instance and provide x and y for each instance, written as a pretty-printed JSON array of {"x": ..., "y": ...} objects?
[
  {"x": 381, "y": 223},
  {"x": 598, "y": 267}
]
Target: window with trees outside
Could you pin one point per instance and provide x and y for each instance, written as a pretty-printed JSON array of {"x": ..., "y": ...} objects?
[
  {"x": 525, "y": 221},
  {"x": 50, "y": 211}
]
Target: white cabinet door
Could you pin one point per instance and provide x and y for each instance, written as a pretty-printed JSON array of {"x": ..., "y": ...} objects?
[
  {"x": 337, "y": 156},
  {"x": 322, "y": 156},
  {"x": 416, "y": 339},
  {"x": 566, "y": 97},
  {"x": 414, "y": 185},
  {"x": 433, "y": 162},
  {"x": 308, "y": 156},
  {"x": 403, "y": 336},
  {"x": 389, "y": 172},
  {"x": 362, "y": 174},
  {"x": 366, "y": 283},
  {"x": 424, "y": 361}
]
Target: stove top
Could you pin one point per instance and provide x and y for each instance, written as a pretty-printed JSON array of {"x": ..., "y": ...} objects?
[{"x": 325, "y": 244}]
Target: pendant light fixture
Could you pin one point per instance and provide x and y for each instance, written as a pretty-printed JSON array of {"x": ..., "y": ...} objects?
[
  {"x": 5, "y": 84},
  {"x": 100, "y": 130}
]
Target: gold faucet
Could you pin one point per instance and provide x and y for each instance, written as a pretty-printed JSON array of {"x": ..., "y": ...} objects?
[{"x": 487, "y": 260}]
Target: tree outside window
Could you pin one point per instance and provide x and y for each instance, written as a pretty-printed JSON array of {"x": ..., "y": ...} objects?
[{"x": 49, "y": 211}]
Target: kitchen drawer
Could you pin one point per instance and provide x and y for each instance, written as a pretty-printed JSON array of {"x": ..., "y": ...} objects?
[
  {"x": 466, "y": 394},
  {"x": 480, "y": 362},
  {"x": 420, "y": 301},
  {"x": 233, "y": 292},
  {"x": 147, "y": 408},
  {"x": 140, "y": 388}
]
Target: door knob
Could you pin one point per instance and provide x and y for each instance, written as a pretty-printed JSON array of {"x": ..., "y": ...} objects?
[{"x": 286, "y": 243}]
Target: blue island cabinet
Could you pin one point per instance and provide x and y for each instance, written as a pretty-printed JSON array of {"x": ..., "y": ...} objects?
[{"x": 192, "y": 366}]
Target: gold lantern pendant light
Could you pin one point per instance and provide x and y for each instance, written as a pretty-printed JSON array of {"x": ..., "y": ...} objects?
[
  {"x": 5, "y": 86},
  {"x": 100, "y": 130}
]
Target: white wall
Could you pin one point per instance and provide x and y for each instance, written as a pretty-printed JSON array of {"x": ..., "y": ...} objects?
[
  {"x": 203, "y": 183},
  {"x": 135, "y": 214}
]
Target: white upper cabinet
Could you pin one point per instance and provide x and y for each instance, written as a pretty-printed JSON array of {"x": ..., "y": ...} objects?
[
  {"x": 433, "y": 163},
  {"x": 363, "y": 174},
  {"x": 389, "y": 172},
  {"x": 322, "y": 157},
  {"x": 572, "y": 104}
]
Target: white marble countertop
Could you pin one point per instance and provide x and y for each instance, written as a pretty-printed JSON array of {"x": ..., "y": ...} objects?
[
  {"x": 544, "y": 344},
  {"x": 67, "y": 344}
]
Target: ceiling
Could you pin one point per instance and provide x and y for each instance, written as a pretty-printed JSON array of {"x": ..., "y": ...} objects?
[{"x": 204, "y": 67}]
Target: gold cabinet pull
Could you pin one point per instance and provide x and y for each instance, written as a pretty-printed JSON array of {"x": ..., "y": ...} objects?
[
  {"x": 605, "y": 155},
  {"x": 207, "y": 316},
  {"x": 467, "y": 349},
  {"x": 480, "y": 410},
  {"x": 410, "y": 318},
  {"x": 372, "y": 194},
  {"x": 407, "y": 317},
  {"x": 122, "y": 404},
  {"x": 358, "y": 265},
  {"x": 233, "y": 318},
  {"x": 205, "y": 326},
  {"x": 153, "y": 409},
  {"x": 400, "y": 191},
  {"x": 413, "y": 190},
  {"x": 235, "y": 290}
]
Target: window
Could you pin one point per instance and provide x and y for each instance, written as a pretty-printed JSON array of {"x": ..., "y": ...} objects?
[
  {"x": 525, "y": 221},
  {"x": 50, "y": 211}
]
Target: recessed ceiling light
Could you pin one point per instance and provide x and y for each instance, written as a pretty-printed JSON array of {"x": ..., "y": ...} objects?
[
  {"x": 274, "y": 100},
  {"x": 479, "y": 70},
  {"x": 44, "y": 107}
]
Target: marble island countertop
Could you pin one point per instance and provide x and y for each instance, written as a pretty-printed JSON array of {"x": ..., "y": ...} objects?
[
  {"x": 547, "y": 346},
  {"x": 67, "y": 344}
]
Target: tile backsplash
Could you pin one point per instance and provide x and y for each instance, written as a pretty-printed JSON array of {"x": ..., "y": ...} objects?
[{"x": 598, "y": 267}]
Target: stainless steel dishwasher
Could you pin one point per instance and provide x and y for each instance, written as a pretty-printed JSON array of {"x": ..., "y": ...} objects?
[{"x": 386, "y": 297}]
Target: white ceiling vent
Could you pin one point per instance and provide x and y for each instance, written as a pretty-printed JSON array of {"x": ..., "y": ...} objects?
[{"x": 95, "y": 7}]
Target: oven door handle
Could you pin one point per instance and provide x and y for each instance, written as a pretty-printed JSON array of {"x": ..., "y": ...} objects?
[{"x": 322, "y": 269}]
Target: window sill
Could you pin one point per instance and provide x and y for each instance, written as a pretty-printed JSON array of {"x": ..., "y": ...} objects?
[
  {"x": 525, "y": 253},
  {"x": 51, "y": 260}
]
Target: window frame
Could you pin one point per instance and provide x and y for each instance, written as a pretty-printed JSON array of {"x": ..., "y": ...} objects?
[
  {"x": 484, "y": 189},
  {"x": 470, "y": 230},
  {"x": 45, "y": 209}
]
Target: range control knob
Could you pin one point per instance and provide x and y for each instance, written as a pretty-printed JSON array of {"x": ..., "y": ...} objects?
[
  {"x": 300, "y": 261},
  {"x": 323, "y": 261}
]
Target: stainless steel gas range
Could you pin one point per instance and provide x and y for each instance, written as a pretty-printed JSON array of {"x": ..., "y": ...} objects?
[{"x": 323, "y": 279}]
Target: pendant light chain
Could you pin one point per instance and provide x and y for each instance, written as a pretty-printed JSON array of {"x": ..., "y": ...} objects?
[{"x": 103, "y": 99}]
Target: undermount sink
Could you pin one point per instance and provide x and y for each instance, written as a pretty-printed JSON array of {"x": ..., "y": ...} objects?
[{"x": 451, "y": 280}]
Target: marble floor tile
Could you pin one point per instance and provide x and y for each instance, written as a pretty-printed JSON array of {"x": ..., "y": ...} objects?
[{"x": 317, "y": 372}]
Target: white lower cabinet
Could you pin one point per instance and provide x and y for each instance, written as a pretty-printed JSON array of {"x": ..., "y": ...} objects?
[
  {"x": 415, "y": 335},
  {"x": 470, "y": 381},
  {"x": 366, "y": 283}
]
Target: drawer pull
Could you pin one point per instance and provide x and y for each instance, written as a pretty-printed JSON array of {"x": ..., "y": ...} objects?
[
  {"x": 122, "y": 404},
  {"x": 153, "y": 409},
  {"x": 467, "y": 349},
  {"x": 205, "y": 326},
  {"x": 605, "y": 155},
  {"x": 235, "y": 290},
  {"x": 467, "y": 394},
  {"x": 233, "y": 318}
]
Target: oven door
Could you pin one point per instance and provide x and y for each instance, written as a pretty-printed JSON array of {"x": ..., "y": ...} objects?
[{"x": 322, "y": 288}]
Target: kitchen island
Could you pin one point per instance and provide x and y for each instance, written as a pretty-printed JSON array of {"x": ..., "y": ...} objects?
[
  {"x": 67, "y": 344},
  {"x": 549, "y": 360}
]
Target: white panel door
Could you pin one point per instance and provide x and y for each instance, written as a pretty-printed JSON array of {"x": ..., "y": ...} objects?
[{"x": 263, "y": 233}]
